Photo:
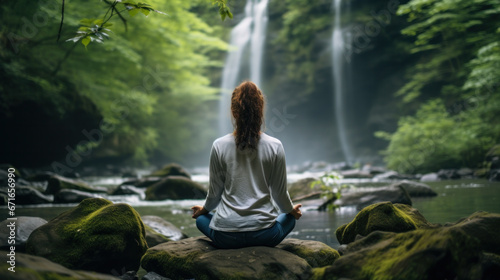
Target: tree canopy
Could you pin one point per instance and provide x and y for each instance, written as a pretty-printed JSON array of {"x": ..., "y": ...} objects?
[
  {"x": 456, "y": 81},
  {"x": 145, "y": 90}
]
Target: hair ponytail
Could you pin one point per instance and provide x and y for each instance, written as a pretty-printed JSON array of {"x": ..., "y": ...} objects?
[{"x": 247, "y": 108}]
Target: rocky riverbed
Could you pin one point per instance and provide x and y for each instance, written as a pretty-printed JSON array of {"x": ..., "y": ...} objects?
[{"x": 100, "y": 239}]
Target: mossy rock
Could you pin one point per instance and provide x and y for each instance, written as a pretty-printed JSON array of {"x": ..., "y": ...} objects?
[
  {"x": 483, "y": 226},
  {"x": 172, "y": 169},
  {"x": 197, "y": 258},
  {"x": 175, "y": 187},
  {"x": 441, "y": 253},
  {"x": 317, "y": 254},
  {"x": 33, "y": 267},
  {"x": 383, "y": 216},
  {"x": 57, "y": 183},
  {"x": 176, "y": 259},
  {"x": 96, "y": 235}
]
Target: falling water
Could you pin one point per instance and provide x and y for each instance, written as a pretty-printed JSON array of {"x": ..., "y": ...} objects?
[
  {"x": 338, "y": 46},
  {"x": 251, "y": 30}
]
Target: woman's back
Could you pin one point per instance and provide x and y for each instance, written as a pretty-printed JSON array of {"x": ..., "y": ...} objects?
[{"x": 245, "y": 181}]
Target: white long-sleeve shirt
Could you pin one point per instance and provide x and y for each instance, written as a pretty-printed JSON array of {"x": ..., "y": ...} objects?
[{"x": 243, "y": 184}]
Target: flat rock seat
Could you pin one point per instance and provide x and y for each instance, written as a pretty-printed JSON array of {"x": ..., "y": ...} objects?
[{"x": 197, "y": 258}]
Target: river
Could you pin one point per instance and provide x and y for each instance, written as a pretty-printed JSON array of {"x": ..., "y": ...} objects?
[{"x": 456, "y": 199}]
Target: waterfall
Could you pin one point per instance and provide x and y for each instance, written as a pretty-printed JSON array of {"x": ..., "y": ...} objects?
[
  {"x": 338, "y": 46},
  {"x": 251, "y": 30}
]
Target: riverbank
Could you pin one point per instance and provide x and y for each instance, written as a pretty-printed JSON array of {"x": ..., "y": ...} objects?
[
  {"x": 91, "y": 238},
  {"x": 454, "y": 199}
]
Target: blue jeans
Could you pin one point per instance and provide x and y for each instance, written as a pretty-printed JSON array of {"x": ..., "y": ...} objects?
[{"x": 231, "y": 240}]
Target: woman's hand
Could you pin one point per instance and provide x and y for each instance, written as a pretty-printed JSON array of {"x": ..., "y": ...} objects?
[
  {"x": 198, "y": 211},
  {"x": 296, "y": 213}
]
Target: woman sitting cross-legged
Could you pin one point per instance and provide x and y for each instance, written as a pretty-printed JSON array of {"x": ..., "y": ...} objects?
[{"x": 247, "y": 180}]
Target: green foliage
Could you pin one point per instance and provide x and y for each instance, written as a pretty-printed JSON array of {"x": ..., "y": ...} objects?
[
  {"x": 149, "y": 82},
  {"x": 95, "y": 30},
  {"x": 301, "y": 23},
  {"x": 331, "y": 187},
  {"x": 447, "y": 35},
  {"x": 224, "y": 10},
  {"x": 455, "y": 41}
]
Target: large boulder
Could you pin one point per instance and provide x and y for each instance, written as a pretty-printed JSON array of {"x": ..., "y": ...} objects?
[
  {"x": 483, "y": 226},
  {"x": 24, "y": 226},
  {"x": 96, "y": 235},
  {"x": 171, "y": 169},
  {"x": 73, "y": 196},
  {"x": 363, "y": 197},
  {"x": 163, "y": 227},
  {"x": 33, "y": 267},
  {"x": 175, "y": 187},
  {"x": 384, "y": 216},
  {"x": 197, "y": 258},
  {"x": 57, "y": 183},
  {"x": 441, "y": 253},
  {"x": 415, "y": 189}
]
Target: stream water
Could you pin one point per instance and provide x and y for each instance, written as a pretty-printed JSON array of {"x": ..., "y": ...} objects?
[{"x": 456, "y": 199}]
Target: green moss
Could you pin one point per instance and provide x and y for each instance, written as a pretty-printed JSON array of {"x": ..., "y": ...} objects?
[
  {"x": 96, "y": 230},
  {"x": 406, "y": 257},
  {"x": 169, "y": 265},
  {"x": 318, "y": 273},
  {"x": 383, "y": 216}
]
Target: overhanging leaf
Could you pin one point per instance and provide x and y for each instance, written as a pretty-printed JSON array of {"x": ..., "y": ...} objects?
[{"x": 86, "y": 41}]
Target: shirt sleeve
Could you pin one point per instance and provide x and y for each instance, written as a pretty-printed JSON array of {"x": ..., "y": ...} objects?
[
  {"x": 278, "y": 183},
  {"x": 215, "y": 182}
]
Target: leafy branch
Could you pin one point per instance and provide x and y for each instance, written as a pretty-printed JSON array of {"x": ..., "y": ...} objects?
[
  {"x": 224, "y": 10},
  {"x": 96, "y": 30},
  {"x": 330, "y": 187}
]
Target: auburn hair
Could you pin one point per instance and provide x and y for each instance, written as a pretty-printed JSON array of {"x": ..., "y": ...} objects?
[{"x": 247, "y": 108}]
